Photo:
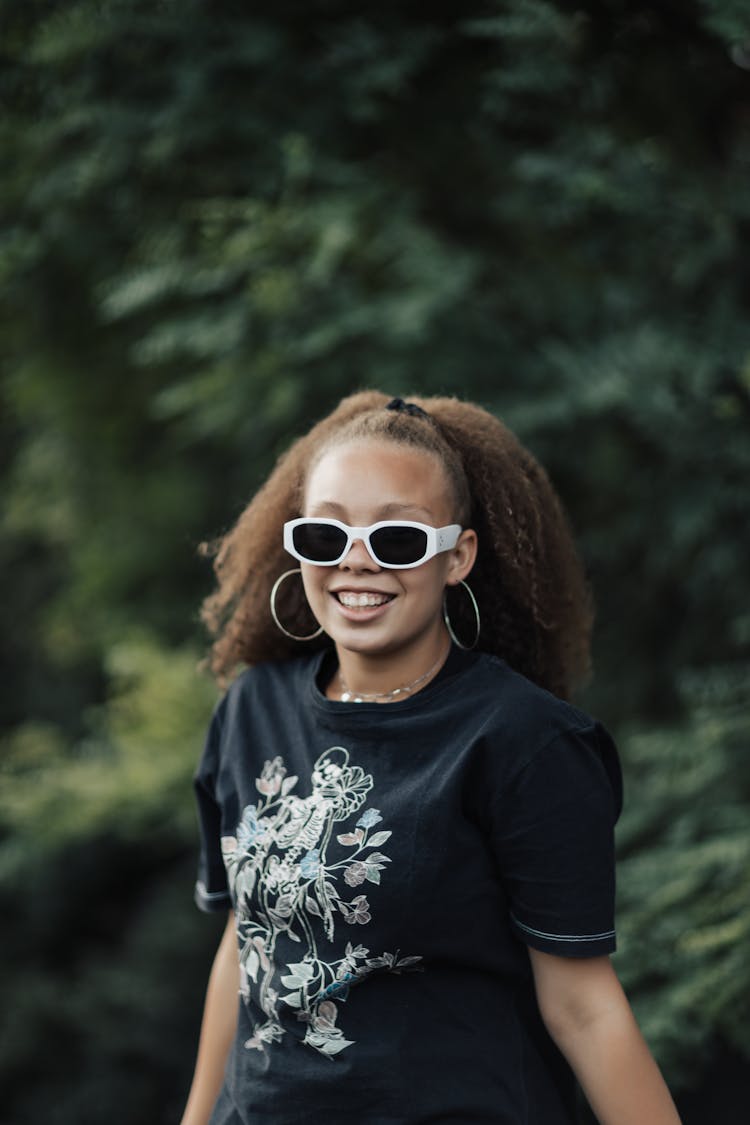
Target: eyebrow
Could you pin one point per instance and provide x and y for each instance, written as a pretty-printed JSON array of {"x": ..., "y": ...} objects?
[{"x": 384, "y": 511}]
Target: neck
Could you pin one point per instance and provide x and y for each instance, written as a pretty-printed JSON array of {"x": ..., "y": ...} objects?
[{"x": 381, "y": 674}]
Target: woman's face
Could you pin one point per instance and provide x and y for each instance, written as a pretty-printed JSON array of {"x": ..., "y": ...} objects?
[{"x": 361, "y": 483}]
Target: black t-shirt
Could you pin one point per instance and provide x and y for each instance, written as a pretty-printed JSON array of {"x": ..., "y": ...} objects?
[{"x": 388, "y": 864}]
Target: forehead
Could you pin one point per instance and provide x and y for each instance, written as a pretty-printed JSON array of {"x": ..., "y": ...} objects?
[{"x": 378, "y": 479}]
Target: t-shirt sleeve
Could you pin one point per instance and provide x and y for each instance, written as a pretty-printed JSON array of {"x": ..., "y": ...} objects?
[
  {"x": 211, "y": 889},
  {"x": 553, "y": 835}
]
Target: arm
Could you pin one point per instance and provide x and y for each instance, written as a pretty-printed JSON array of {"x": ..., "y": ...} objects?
[
  {"x": 587, "y": 1014},
  {"x": 217, "y": 1029}
]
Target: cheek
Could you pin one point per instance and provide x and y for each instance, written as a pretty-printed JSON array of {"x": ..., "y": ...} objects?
[
  {"x": 311, "y": 582},
  {"x": 428, "y": 583}
]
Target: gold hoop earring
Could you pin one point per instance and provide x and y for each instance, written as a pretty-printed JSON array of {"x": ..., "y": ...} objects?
[
  {"x": 447, "y": 620},
  {"x": 274, "y": 615}
]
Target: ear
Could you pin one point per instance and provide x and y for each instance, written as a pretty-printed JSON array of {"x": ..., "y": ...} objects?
[{"x": 462, "y": 557}]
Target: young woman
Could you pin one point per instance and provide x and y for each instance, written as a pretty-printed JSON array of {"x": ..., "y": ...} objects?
[{"x": 410, "y": 826}]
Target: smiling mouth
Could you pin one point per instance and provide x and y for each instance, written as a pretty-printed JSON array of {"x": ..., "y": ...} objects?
[{"x": 360, "y": 601}]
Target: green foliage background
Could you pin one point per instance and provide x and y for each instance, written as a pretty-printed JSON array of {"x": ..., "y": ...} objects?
[{"x": 216, "y": 219}]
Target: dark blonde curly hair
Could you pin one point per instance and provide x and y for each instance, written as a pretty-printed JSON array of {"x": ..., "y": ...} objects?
[{"x": 535, "y": 604}]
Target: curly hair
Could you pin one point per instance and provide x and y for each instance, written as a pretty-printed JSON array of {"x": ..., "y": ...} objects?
[{"x": 535, "y": 604}]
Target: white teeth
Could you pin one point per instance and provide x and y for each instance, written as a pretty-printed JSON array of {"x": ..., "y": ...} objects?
[{"x": 354, "y": 601}]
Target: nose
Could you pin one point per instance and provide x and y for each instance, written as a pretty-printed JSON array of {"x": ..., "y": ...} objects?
[{"x": 358, "y": 558}]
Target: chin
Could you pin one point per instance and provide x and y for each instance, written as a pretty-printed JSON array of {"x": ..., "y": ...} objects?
[{"x": 374, "y": 646}]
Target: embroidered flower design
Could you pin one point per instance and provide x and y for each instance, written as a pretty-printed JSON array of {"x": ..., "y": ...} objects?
[
  {"x": 323, "y": 1033},
  {"x": 359, "y": 912},
  {"x": 250, "y": 828},
  {"x": 344, "y": 787},
  {"x": 284, "y": 881},
  {"x": 310, "y": 863},
  {"x": 272, "y": 775},
  {"x": 369, "y": 818},
  {"x": 355, "y": 874},
  {"x": 267, "y": 1033}
]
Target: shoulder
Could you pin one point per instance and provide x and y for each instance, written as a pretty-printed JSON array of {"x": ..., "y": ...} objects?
[
  {"x": 270, "y": 675},
  {"x": 521, "y": 706},
  {"x": 536, "y": 734},
  {"x": 262, "y": 686}
]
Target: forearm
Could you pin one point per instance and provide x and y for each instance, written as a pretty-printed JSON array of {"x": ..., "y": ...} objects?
[
  {"x": 616, "y": 1070},
  {"x": 218, "y": 1029},
  {"x": 588, "y": 1015}
]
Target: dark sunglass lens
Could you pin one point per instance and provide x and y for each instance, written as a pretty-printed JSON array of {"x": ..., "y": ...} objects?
[
  {"x": 399, "y": 546},
  {"x": 319, "y": 542}
]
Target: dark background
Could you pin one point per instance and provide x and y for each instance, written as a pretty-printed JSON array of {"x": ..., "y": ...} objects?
[{"x": 215, "y": 220}]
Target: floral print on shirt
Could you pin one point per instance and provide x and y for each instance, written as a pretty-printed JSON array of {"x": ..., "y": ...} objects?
[{"x": 282, "y": 878}]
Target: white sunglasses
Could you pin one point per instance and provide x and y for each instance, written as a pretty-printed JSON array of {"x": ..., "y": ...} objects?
[{"x": 395, "y": 544}]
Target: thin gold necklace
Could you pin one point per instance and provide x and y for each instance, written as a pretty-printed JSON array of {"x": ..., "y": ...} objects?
[{"x": 346, "y": 695}]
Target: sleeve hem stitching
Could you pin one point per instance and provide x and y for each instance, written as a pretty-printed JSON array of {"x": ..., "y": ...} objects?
[
  {"x": 210, "y": 896},
  {"x": 562, "y": 937}
]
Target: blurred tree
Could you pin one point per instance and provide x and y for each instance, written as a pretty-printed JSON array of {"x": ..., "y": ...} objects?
[
  {"x": 684, "y": 900},
  {"x": 217, "y": 221},
  {"x": 101, "y": 953}
]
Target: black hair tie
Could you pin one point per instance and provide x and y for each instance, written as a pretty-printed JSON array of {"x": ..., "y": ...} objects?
[{"x": 407, "y": 408}]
